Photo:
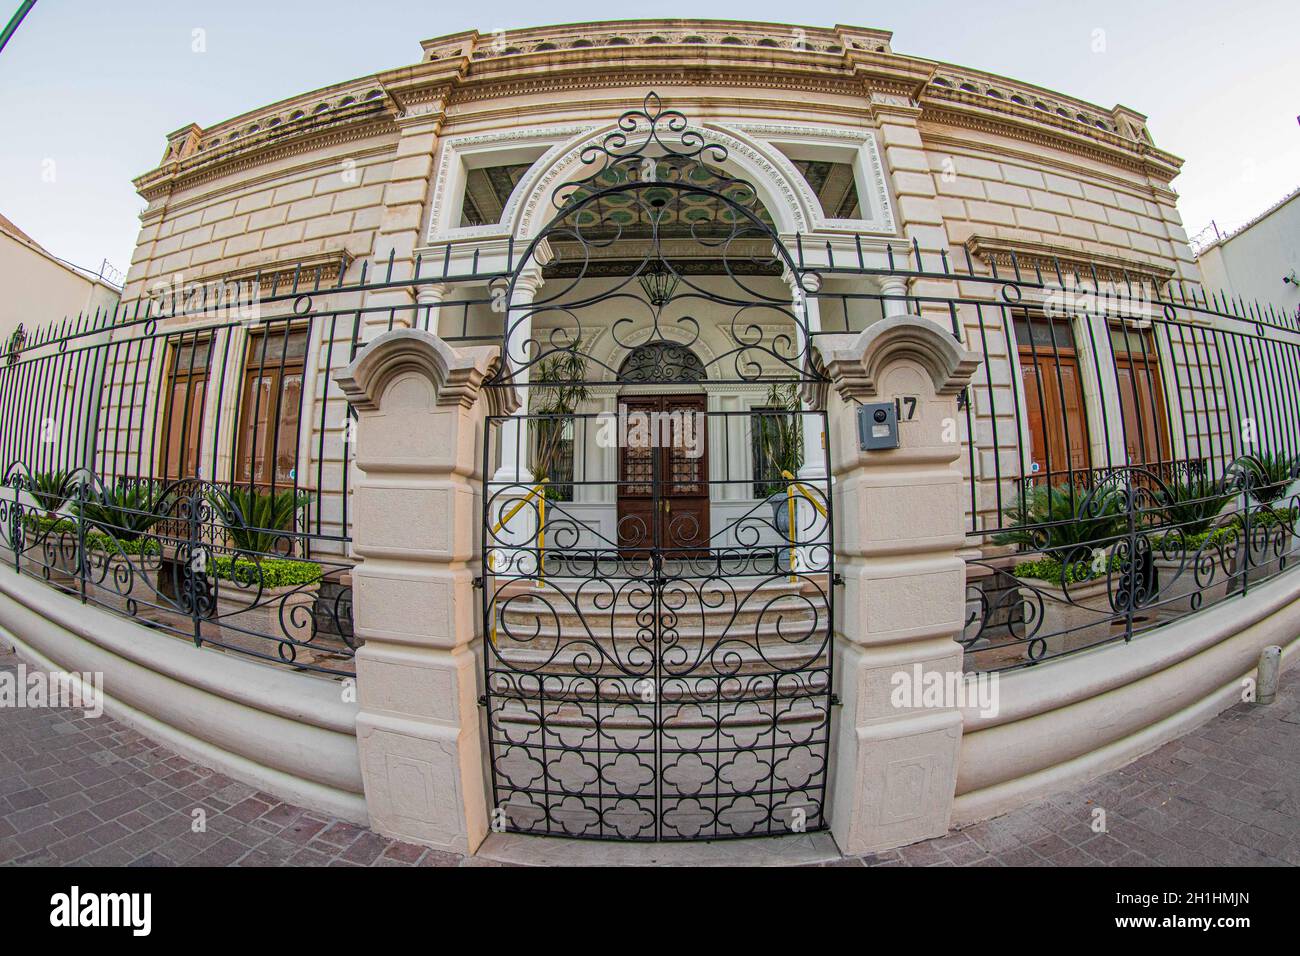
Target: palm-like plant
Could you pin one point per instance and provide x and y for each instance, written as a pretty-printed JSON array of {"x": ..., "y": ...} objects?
[
  {"x": 780, "y": 434},
  {"x": 258, "y": 522},
  {"x": 1064, "y": 523},
  {"x": 50, "y": 489},
  {"x": 1194, "y": 502},
  {"x": 1274, "y": 474},
  {"x": 557, "y": 388},
  {"x": 126, "y": 511}
]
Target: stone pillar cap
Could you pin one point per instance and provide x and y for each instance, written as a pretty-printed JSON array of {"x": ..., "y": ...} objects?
[
  {"x": 457, "y": 374},
  {"x": 854, "y": 363}
]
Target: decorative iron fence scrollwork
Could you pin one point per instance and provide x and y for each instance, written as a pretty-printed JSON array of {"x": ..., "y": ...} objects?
[{"x": 186, "y": 558}]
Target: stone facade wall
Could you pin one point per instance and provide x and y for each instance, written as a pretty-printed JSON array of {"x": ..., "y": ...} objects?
[{"x": 963, "y": 167}]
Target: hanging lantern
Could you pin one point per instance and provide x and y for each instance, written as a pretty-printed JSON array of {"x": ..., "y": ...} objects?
[{"x": 659, "y": 283}]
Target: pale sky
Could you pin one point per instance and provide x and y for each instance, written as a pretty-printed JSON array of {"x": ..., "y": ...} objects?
[{"x": 89, "y": 89}]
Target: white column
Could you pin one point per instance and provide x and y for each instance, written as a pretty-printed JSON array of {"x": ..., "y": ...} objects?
[
  {"x": 429, "y": 298},
  {"x": 893, "y": 286},
  {"x": 812, "y": 529},
  {"x": 513, "y": 479}
]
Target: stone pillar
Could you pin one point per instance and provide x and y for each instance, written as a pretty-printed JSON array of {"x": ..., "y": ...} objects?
[
  {"x": 898, "y": 528},
  {"x": 420, "y": 407}
]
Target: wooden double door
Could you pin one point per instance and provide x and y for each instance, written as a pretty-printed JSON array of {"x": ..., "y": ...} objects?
[{"x": 663, "y": 475}]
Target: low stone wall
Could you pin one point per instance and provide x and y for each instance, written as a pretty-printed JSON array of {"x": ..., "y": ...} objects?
[
  {"x": 1067, "y": 721},
  {"x": 288, "y": 733}
]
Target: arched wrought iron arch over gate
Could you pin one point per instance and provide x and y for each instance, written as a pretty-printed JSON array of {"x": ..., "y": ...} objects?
[{"x": 657, "y": 565}]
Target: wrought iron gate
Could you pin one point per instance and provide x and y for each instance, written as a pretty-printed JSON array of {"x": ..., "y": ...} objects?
[
  {"x": 657, "y": 553},
  {"x": 645, "y": 683}
]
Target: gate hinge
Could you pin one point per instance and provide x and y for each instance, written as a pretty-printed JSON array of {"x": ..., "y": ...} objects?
[
  {"x": 837, "y": 580},
  {"x": 478, "y": 583},
  {"x": 482, "y": 700},
  {"x": 835, "y": 700}
]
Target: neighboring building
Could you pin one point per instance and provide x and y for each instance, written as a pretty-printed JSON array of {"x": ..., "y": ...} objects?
[
  {"x": 45, "y": 298},
  {"x": 1259, "y": 262},
  {"x": 41, "y": 288},
  {"x": 943, "y": 387}
]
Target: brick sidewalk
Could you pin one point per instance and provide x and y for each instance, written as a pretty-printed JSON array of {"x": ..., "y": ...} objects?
[{"x": 79, "y": 791}]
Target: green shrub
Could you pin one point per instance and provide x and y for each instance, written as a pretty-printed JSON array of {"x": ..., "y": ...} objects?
[
  {"x": 44, "y": 524},
  {"x": 1062, "y": 524},
  {"x": 268, "y": 572},
  {"x": 97, "y": 541},
  {"x": 256, "y": 520},
  {"x": 1052, "y": 571}
]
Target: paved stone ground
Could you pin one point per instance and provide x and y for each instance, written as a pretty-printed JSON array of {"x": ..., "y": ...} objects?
[{"x": 79, "y": 791}]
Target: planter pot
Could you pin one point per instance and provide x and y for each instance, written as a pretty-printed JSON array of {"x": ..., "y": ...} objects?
[
  {"x": 1078, "y": 617},
  {"x": 1180, "y": 578},
  {"x": 274, "y": 615},
  {"x": 781, "y": 520},
  {"x": 124, "y": 579}
]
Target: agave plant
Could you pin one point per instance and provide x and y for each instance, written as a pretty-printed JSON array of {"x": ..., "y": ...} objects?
[
  {"x": 1064, "y": 523},
  {"x": 50, "y": 489},
  {"x": 1194, "y": 503},
  {"x": 258, "y": 522},
  {"x": 1273, "y": 473},
  {"x": 125, "y": 511}
]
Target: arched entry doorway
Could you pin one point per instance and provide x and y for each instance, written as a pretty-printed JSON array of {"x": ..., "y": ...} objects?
[{"x": 657, "y": 560}]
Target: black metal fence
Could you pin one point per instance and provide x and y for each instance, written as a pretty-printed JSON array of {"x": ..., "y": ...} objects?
[{"x": 1130, "y": 446}]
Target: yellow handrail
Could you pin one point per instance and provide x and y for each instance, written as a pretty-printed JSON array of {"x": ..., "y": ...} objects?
[
  {"x": 537, "y": 491},
  {"x": 790, "y": 492}
]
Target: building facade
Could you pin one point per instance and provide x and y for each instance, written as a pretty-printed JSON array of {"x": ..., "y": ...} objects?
[{"x": 624, "y": 405}]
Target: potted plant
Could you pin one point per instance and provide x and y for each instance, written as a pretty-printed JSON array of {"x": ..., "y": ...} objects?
[
  {"x": 261, "y": 601},
  {"x": 1189, "y": 550},
  {"x": 120, "y": 551},
  {"x": 262, "y": 595},
  {"x": 1074, "y": 582},
  {"x": 48, "y": 539},
  {"x": 1271, "y": 475},
  {"x": 780, "y": 439},
  {"x": 50, "y": 489},
  {"x": 557, "y": 390}
]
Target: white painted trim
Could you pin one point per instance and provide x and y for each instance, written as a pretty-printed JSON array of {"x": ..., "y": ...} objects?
[{"x": 869, "y": 171}]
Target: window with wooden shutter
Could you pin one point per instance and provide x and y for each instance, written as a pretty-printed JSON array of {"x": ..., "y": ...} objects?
[
  {"x": 180, "y": 452},
  {"x": 1054, "y": 407},
  {"x": 1141, "y": 397},
  {"x": 270, "y": 408}
]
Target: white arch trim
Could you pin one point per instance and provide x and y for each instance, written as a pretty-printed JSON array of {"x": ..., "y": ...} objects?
[{"x": 781, "y": 189}]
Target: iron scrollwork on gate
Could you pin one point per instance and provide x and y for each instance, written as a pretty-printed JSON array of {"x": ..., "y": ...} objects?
[{"x": 658, "y": 566}]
